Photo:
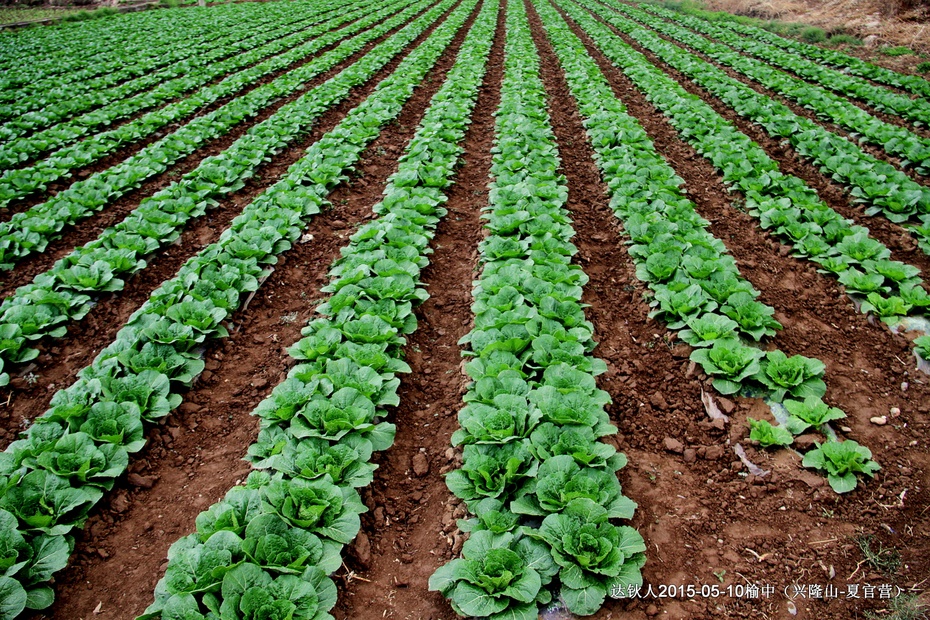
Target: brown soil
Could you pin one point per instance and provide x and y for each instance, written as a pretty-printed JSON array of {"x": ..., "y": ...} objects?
[
  {"x": 30, "y": 396},
  {"x": 875, "y": 151},
  {"x": 902, "y": 245},
  {"x": 122, "y": 121},
  {"x": 191, "y": 460},
  {"x": 699, "y": 511},
  {"x": 189, "y": 162},
  {"x": 705, "y": 521},
  {"x": 900, "y": 22},
  {"x": 410, "y": 527}
]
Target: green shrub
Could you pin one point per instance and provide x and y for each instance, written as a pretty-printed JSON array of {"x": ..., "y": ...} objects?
[
  {"x": 843, "y": 39},
  {"x": 80, "y": 16},
  {"x": 897, "y": 50},
  {"x": 924, "y": 67},
  {"x": 813, "y": 34}
]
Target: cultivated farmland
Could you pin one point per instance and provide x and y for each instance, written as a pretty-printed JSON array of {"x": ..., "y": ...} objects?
[{"x": 497, "y": 308}]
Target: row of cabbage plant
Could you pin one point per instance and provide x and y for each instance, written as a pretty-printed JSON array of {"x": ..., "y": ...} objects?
[
  {"x": 689, "y": 270},
  {"x": 884, "y": 99},
  {"x": 30, "y": 113},
  {"x": 895, "y": 140},
  {"x": 72, "y": 454},
  {"x": 879, "y": 185},
  {"x": 536, "y": 472},
  {"x": 845, "y": 63},
  {"x": 32, "y": 159},
  {"x": 102, "y": 188},
  {"x": 321, "y": 426},
  {"x": 784, "y": 204},
  {"x": 45, "y": 306}
]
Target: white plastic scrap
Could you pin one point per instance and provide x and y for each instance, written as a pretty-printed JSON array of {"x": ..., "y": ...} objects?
[
  {"x": 711, "y": 408},
  {"x": 754, "y": 469}
]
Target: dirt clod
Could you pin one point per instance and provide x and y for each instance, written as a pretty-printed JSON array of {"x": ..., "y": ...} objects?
[
  {"x": 144, "y": 482},
  {"x": 420, "y": 464}
]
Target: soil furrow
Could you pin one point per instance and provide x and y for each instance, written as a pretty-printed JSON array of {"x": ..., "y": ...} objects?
[
  {"x": 875, "y": 151},
  {"x": 89, "y": 229},
  {"x": 815, "y": 313},
  {"x": 692, "y": 499},
  {"x": 61, "y": 359},
  {"x": 884, "y": 116},
  {"x": 122, "y": 121},
  {"x": 899, "y": 241},
  {"x": 131, "y": 149},
  {"x": 193, "y": 458},
  {"x": 402, "y": 542}
]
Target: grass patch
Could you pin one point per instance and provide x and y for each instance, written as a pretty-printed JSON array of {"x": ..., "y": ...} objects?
[
  {"x": 844, "y": 39},
  {"x": 924, "y": 67},
  {"x": 904, "y": 607},
  {"x": 879, "y": 557},
  {"x": 897, "y": 50},
  {"x": 81, "y": 16},
  {"x": 16, "y": 15},
  {"x": 813, "y": 34}
]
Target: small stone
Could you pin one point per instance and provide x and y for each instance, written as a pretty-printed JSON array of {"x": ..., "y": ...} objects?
[
  {"x": 260, "y": 383},
  {"x": 803, "y": 442},
  {"x": 726, "y": 404},
  {"x": 690, "y": 455},
  {"x": 713, "y": 453},
  {"x": 420, "y": 464},
  {"x": 189, "y": 408},
  {"x": 879, "y": 420},
  {"x": 120, "y": 504},
  {"x": 658, "y": 401},
  {"x": 652, "y": 610},
  {"x": 681, "y": 351},
  {"x": 895, "y": 412},
  {"x": 457, "y": 541},
  {"x": 811, "y": 479},
  {"x": 103, "y": 553},
  {"x": 450, "y": 454},
  {"x": 673, "y": 445},
  {"x": 361, "y": 550},
  {"x": 145, "y": 482}
]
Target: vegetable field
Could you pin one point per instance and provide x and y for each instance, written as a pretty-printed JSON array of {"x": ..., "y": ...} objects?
[{"x": 487, "y": 308}]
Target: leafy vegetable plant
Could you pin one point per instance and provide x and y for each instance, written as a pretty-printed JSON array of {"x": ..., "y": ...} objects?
[
  {"x": 498, "y": 576},
  {"x": 768, "y": 435},
  {"x": 842, "y": 461}
]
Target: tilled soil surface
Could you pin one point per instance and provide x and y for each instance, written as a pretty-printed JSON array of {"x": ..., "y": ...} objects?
[
  {"x": 68, "y": 356},
  {"x": 707, "y": 522}
]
